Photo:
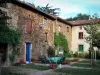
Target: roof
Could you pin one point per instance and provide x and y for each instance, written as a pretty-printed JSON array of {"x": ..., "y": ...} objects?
[
  {"x": 84, "y": 22},
  {"x": 62, "y": 20},
  {"x": 32, "y": 8}
]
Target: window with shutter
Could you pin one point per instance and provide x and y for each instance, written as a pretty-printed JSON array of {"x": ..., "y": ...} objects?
[
  {"x": 80, "y": 35},
  {"x": 80, "y": 48},
  {"x": 29, "y": 26}
]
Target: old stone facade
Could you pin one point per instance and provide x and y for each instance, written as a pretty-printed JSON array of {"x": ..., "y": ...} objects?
[
  {"x": 64, "y": 28},
  {"x": 37, "y": 29}
]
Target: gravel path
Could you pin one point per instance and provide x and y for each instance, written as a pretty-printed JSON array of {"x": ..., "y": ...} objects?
[{"x": 25, "y": 71}]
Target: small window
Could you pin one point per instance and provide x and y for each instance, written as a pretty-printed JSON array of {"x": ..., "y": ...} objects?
[
  {"x": 80, "y": 27},
  {"x": 42, "y": 22},
  {"x": 27, "y": 27},
  {"x": 80, "y": 35},
  {"x": 46, "y": 37},
  {"x": 67, "y": 29},
  {"x": 80, "y": 48},
  {"x": 59, "y": 28}
]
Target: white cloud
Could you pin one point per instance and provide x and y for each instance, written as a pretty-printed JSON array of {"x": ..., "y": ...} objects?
[{"x": 65, "y": 6}]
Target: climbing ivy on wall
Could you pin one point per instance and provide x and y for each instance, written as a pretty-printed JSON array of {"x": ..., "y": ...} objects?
[
  {"x": 60, "y": 40},
  {"x": 8, "y": 35}
]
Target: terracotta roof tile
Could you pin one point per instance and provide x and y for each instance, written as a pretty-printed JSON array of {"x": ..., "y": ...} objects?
[{"x": 84, "y": 22}]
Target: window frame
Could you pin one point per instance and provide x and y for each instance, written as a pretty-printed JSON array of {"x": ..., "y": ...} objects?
[
  {"x": 67, "y": 29},
  {"x": 80, "y": 47},
  {"x": 80, "y": 35}
]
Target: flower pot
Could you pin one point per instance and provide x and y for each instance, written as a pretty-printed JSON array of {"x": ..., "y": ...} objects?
[
  {"x": 67, "y": 62},
  {"x": 52, "y": 66},
  {"x": 77, "y": 60}
]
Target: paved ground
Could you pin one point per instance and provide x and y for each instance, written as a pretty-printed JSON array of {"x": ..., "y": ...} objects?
[
  {"x": 37, "y": 72},
  {"x": 30, "y": 71}
]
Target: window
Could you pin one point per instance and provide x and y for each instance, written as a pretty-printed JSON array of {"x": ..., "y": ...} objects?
[
  {"x": 67, "y": 29},
  {"x": 80, "y": 48},
  {"x": 80, "y": 27},
  {"x": 80, "y": 35},
  {"x": 42, "y": 22},
  {"x": 46, "y": 37},
  {"x": 59, "y": 28},
  {"x": 53, "y": 28},
  {"x": 28, "y": 26}
]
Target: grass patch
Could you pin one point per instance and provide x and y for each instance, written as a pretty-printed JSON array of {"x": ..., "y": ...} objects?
[
  {"x": 85, "y": 61},
  {"x": 37, "y": 67},
  {"x": 87, "y": 64},
  {"x": 98, "y": 62},
  {"x": 74, "y": 71},
  {"x": 10, "y": 73},
  {"x": 81, "y": 65}
]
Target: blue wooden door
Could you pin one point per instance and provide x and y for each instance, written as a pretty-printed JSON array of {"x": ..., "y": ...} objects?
[{"x": 27, "y": 52}]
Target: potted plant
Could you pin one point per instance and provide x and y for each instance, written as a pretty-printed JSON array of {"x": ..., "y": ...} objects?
[
  {"x": 67, "y": 62},
  {"x": 77, "y": 59},
  {"x": 11, "y": 58},
  {"x": 32, "y": 59},
  {"x": 52, "y": 66}
]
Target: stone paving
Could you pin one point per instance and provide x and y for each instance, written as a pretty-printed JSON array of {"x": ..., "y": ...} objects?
[
  {"x": 37, "y": 72},
  {"x": 30, "y": 71}
]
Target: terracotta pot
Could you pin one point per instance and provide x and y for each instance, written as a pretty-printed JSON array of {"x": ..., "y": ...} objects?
[
  {"x": 52, "y": 66},
  {"x": 77, "y": 60},
  {"x": 67, "y": 62}
]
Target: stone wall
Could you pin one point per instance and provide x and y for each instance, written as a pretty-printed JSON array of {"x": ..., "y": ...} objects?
[
  {"x": 65, "y": 29},
  {"x": 41, "y": 37},
  {"x": 37, "y": 37}
]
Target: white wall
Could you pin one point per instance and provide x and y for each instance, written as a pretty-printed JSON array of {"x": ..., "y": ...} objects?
[{"x": 75, "y": 39}]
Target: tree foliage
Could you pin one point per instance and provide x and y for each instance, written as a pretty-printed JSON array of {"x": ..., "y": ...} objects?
[
  {"x": 7, "y": 35},
  {"x": 94, "y": 34},
  {"x": 79, "y": 17},
  {"x": 96, "y": 41},
  {"x": 60, "y": 40},
  {"x": 49, "y": 10}
]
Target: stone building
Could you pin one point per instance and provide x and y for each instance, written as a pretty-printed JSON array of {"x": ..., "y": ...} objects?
[{"x": 37, "y": 30}]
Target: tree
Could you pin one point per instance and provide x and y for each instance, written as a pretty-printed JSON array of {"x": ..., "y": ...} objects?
[
  {"x": 79, "y": 17},
  {"x": 61, "y": 41},
  {"x": 96, "y": 41},
  {"x": 49, "y": 10},
  {"x": 8, "y": 35},
  {"x": 93, "y": 39}
]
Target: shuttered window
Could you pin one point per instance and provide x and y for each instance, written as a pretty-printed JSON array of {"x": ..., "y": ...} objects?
[
  {"x": 81, "y": 48},
  {"x": 29, "y": 26},
  {"x": 80, "y": 35}
]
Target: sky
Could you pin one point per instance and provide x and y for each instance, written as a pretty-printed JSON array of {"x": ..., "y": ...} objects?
[{"x": 70, "y": 8}]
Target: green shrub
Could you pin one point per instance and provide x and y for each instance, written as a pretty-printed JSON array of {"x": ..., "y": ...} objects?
[
  {"x": 61, "y": 41},
  {"x": 11, "y": 58},
  {"x": 51, "y": 51},
  {"x": 75, "y": 54}
]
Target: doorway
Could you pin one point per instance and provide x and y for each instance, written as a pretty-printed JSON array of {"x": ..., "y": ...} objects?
[
  {"x": 28, "y": 46},
  {"x": 3, "y": 51}
]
